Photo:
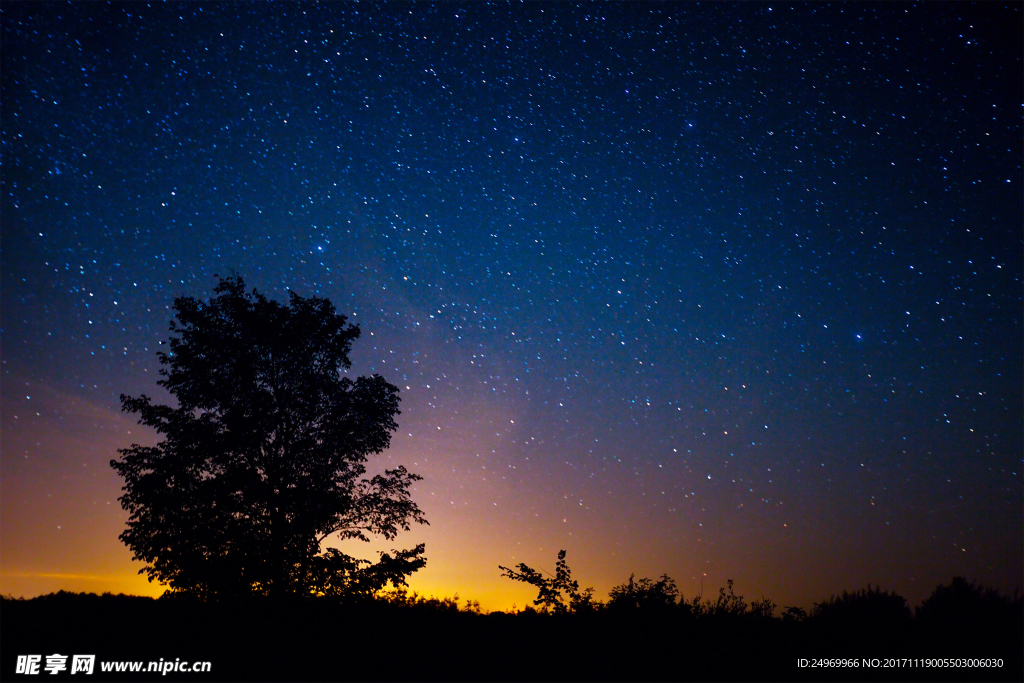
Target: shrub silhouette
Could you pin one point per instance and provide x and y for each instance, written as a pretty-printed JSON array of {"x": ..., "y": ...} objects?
[
  {"x": 727, "y": 604},
  {"x": 865, "y": 607},
  {"x": 794, "y": 614},
  {"x": 763, "y": 608},
  {"x": 644, "y": 595},
  {"x": 970, "y": 617},
  {"x": 966, "y": 605},
  {"x": 865, "y": 616},
  {"x": 401, "y": 597}
]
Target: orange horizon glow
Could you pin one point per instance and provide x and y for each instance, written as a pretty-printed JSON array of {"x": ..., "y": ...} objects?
[
  {"x": 28, "y": 585},
  {"x": 61, "y": 522}
]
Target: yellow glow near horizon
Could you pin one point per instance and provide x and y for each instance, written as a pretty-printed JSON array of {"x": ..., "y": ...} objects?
[
  {"x": 29, "y": 585},
  {"x": 33, "y": 584}
]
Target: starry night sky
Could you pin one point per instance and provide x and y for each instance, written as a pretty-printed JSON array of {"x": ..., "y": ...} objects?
[{"x": 718, "y": 291}]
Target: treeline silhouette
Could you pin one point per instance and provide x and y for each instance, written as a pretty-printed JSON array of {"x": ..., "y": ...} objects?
[{"x": 644, "y": 631}]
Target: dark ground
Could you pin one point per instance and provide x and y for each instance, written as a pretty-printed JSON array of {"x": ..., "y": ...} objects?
[{"x": 318, "y": 640}]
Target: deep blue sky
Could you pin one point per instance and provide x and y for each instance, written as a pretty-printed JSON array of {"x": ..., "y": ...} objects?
[{"x": 729, "y": 290}]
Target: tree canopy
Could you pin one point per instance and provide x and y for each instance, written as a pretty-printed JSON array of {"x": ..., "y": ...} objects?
[{"x": 263, "y": 458}]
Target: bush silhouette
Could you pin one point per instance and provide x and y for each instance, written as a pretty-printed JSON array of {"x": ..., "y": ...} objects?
[
  {"x": 865, "y": 617},
  {"x": 727, "y": 604},
  {"x": 870, "y": 607},
  {"x": 966, "y": 605},
  {"x": 644, "y": 595},
  {"x": 970, "y": 617}
]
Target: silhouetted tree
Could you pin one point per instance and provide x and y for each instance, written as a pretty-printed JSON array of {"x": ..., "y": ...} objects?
[
  {"x": 263, "y": 457},
  {"x": 559, "y": 593}
]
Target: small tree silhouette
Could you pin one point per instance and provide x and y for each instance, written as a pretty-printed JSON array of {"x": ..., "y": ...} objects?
[{"x": 559, "y": 594}]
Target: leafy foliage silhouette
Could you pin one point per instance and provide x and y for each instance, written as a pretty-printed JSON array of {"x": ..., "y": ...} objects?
[
  {"x": 644, "y": 595},
  {"x": 560, "y": 593},
  {"x": 794, "y": 614},
  {"x": 869, "y": 614},
  {"x": 964, "y": 604},
  {"x": 965, "y": 612},
  {"x": 867, "y": 607},
  {"x": 727, "y": 603},
  {"x": 262, "y": 459}
]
